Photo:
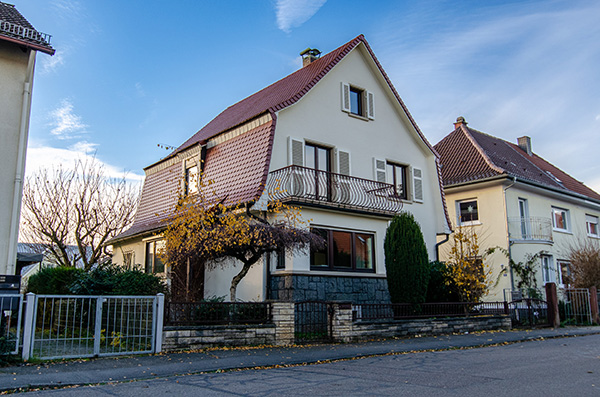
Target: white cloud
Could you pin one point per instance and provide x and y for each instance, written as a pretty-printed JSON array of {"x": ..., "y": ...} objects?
[
  {"x": 293, "y": 13},
  {"x": 65, "y": 123},
  {"x": 51, "y": 63},
  {"x": 47, "y": 157}
]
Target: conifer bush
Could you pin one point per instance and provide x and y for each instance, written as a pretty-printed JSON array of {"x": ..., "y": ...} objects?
[{"x": 406, "y": 260}]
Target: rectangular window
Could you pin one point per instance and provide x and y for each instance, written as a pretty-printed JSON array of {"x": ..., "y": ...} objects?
[
  {"x": 356, "y": 101},
  {"x": 468, "y": 212},
  {"x": 397, "y": 177},
  {"x": 591, "y": 223},
  {"x": 344, "y": 251},
  {"x": 280, "y": 259},
  {"x": 548, "y": 270},
  {"x": 565, "y": 273},
  {"x": 153, "y": 262},
  {"x": 560, "y": 219},
  {"x": 191, "y": 180},
  {"x": 128, "y": 260}
]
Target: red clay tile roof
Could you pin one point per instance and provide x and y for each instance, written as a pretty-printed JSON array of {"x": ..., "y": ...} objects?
[
  {"x": 245, "y": 179},
  {"x": 470, "y": 155},
  {"x": 15, "y": 28}
]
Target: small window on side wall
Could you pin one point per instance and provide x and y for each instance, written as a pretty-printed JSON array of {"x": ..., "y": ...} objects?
[
  {"x": 128, "y": 260},
  {"x": 396, "y": 174},
  {"x": 591, "y": 224},
  {"x": 468, "y": 212},
  {"x": 560, "y": 219},
  {"x": 358, "y": 101},
  {"x": 153, "y": 262}
]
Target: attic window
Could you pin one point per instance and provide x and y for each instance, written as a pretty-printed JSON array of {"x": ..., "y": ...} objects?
[
  {"x": 555, "y": 178},
  {"x": 358, "y": 102}
]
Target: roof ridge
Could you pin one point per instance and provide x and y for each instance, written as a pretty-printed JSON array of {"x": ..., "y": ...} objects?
[{"x": 467, "y": 131}]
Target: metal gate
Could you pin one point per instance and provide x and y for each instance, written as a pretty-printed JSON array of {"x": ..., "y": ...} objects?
[
  {"x": 529, "y": 312},
  {"x": 576, "y": 307},
  {"x": 10, "y": 323},
  {"x": 313, "y": 321},
  {"x": 67, "y": 326}
]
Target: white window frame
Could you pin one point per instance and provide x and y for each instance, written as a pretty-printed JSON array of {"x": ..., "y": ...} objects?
[
  {"x": 592, "y": 219},
  {"x": 559, "y": 264},
  {"x": 467, "y": 223},
  {"x": 567, "y": 219},
  {"x": 367, "y": 101},
  {"x": 548, "y": 269}
]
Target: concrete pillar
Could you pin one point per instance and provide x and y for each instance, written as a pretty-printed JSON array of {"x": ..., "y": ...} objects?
[
  {"x": 283, "y": 318},
  {"x": 552, "y": 299},
  {"x": 342, "y": 322},
  {"x": 594, "y": 305}
]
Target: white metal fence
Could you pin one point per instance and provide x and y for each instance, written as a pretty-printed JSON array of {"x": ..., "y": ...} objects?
[
  {"x": 66, "y": 326},
  {"x": 577, "y": 309},
  {"x": 10, "y": 322}
]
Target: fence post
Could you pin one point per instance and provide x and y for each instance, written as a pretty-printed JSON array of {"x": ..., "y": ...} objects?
[
  {"x": 552, "y": 300},
  {"x": 98, "y": 326},
  {"x": 342, "y": 322},
  {"x": 158, "y": 321},
  {"x": 28, "y": 328},
  {"x": 283, "y": 318},
  {"x": 594, "y": 305}
]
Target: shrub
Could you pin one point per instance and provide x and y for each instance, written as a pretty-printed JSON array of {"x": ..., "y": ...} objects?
[
  {"x": 584, "y": 258},
  {"x": 53, "y": 280},
  {"x": 406, "y": 260},
  {"x": 440, "y": 287}
]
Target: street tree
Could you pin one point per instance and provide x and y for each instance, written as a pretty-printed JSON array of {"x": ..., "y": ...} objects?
[
  {"x": 80, "y": 207},
  {"x": 204, "y": 232}
]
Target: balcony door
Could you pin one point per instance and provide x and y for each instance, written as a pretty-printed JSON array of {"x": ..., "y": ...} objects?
[
  {"x": 318, "y": 160},
  {"x": 524, "y": 215}
]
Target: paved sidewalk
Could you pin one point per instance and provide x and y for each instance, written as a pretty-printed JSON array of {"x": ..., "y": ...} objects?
[{"x": 104, "y": 370}]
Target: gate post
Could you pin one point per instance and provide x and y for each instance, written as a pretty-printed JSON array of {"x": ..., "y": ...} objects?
[
  {"x": 594, "y": 305},
  {"x": 158, "y": 321},
  {"x": 283, "y": 318},
  {"x": 28, "y": 328},
  {"x": 98, "y": 326},
  {"x": 552, "y": 299},
  {"x": 342, "y": 322}
]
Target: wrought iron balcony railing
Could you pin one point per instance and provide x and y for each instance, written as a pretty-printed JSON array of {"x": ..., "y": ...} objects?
[
  {"x": 530, "y": 228},
  {"x": 307, "y": 185},
  {"x": 23, "y": 32}
]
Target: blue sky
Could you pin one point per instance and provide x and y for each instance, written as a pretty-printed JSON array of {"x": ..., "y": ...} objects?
[{"x": 129, "y": 75}]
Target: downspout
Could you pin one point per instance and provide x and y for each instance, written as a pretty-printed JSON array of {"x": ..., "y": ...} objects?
[
  {"x": 437, "y": 246},
  {"x": 20, "y": 170},
  {"x": 512, "y": 278}
]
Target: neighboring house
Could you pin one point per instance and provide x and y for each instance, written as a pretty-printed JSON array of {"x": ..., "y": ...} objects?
[
  {"x": 19, "y": 43},
  {"x": 333, "y": 138},
  {"x": 514, "y": 199}
]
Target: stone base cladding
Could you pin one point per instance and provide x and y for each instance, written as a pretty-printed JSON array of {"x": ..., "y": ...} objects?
[
  {"x": 329, "y": 288},
  {"x": 368, "y": 330},
  {"x": 197, "y": 337}
]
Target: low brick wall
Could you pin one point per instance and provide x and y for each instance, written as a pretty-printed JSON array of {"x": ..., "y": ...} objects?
[
  {"x": 197, "y": 337},
  {"x": 366, "y": 330}
]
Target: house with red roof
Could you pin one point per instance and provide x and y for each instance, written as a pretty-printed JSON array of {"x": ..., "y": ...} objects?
[
  {"x": 514, "y": 199},
  {"x": 333, "y": 138},
  {"x": 19, "y": 44}
]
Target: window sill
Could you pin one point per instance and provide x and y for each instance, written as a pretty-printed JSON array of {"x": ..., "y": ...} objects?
[
  {"x": 474, "y": 223},
  {"x": 356, "y": 116},
  {"x": 594, "y": 236},
  {"x": 564, "y": 231}
]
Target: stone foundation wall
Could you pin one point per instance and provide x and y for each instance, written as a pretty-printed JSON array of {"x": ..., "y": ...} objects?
[
  {"x": 368, "y": 330},
  {"x": 329, "y": 288},
  {"x": 197, "y": 337}
]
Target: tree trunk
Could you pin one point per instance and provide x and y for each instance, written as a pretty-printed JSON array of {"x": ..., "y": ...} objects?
[{"x": 238, "y": 277}]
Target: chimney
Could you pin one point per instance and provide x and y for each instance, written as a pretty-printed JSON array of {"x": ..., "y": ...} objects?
[
  {"x": 309, "y": 56},
  {"x": 524, "y": 143},
  {"x": 460, "y": 121}
]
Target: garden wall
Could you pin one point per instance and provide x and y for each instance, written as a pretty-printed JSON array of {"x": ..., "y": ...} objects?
[{"x": 197, "y": 337}]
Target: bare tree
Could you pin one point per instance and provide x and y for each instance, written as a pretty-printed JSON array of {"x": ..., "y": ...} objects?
[{"x": 81, "y": 207}]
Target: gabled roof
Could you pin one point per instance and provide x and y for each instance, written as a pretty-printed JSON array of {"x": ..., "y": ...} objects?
[
  {"x": 468, "y": 155},
  {"x": 15, "y": 28}
]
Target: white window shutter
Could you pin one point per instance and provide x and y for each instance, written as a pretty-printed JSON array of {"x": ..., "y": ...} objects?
[
  {"x": 295, "y": 151},
  {"x": 370, "y": 105},
  {"x": 379, "y": 170},
  {"x": 346, "y": 97},
  {"x": 343, "y": 157},
  {"x": 418, "y": 184}
]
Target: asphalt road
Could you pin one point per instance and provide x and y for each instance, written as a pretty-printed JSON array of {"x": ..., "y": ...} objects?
[{"x": 550, "y": 367}]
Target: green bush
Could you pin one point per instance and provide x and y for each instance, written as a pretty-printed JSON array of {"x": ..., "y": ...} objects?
[
  {"x": 104, "y": 280},
  {"x": 406, "y": 260},
  {"x": 54, "y": 280},
  {"x": 440, "y": 287}
]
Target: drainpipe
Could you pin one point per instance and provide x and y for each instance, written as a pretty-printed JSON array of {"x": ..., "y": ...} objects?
[
  {"x": 437, "y": 246},
  {"x": 512, "y": 278},
  {"x": 20, "y": 170}
]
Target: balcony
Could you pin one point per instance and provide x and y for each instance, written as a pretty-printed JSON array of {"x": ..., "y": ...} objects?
[
  {"x": 307, "y": 186},
  {"x": 530, "y": 228}
]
